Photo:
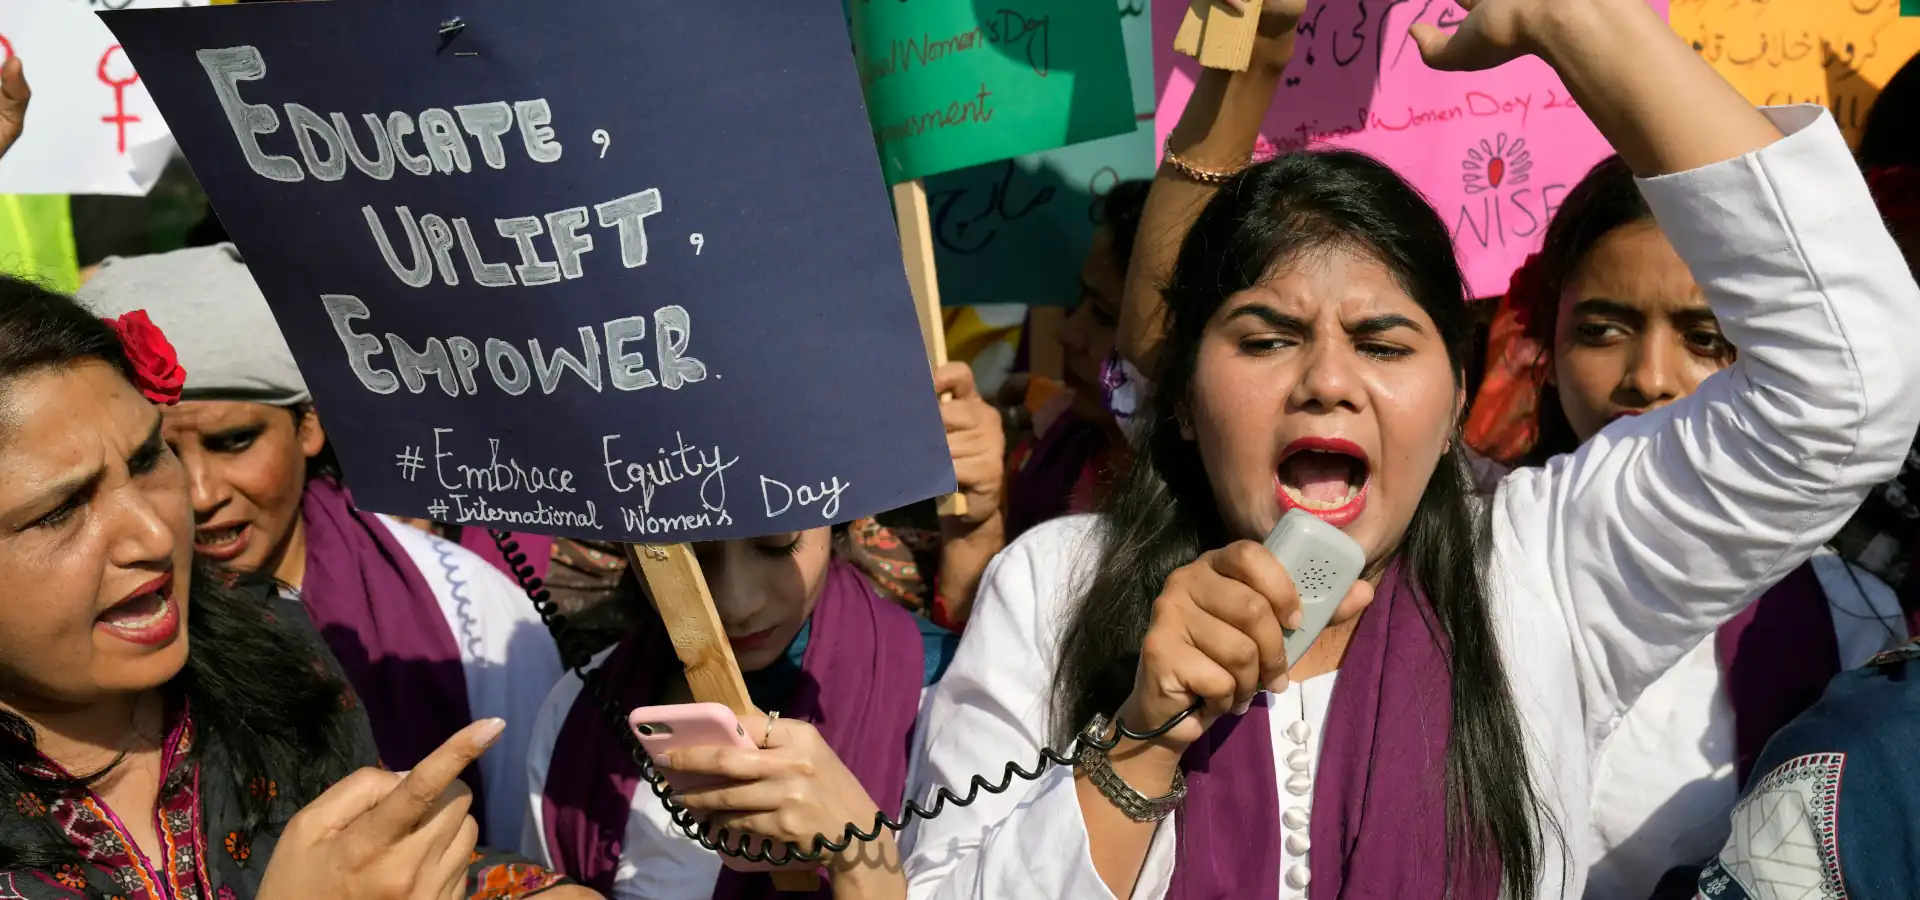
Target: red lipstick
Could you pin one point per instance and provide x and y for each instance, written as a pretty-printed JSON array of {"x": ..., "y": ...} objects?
[
  {"x": 149, "y": 616},
  {"x": 1338, "y": 512}
]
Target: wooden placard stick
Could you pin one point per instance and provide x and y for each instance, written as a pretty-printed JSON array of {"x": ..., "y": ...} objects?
[
  {"x": 916, "y": 250},
  {"x": 1218, "y": 36},
  {"x": 680, "y": 593}
]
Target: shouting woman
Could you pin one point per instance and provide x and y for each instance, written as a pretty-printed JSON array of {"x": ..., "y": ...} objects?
[
  {"x": 168, "y": 732},
  {"x": 1439, "y": 737},
  {"x": 429, "y": 635}
]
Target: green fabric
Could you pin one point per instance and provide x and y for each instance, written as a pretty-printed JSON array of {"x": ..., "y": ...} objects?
[{"x": 36, "y": 240}]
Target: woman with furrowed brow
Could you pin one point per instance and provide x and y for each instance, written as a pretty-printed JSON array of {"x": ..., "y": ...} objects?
[
  {"x": 1440, "y": 737},
  {"x": 430, "y": 636},
  {"x": 169, "y": 731}
]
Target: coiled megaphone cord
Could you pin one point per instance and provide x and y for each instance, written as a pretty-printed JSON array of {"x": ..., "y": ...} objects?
[{"x": 721, "y": 841}]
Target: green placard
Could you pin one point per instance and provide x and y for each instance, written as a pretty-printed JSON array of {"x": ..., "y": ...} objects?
[
  {"x": 1017, "y": 230},
  {"x": 957, "y": 83},
  {"x": 1910, "y": 7}
]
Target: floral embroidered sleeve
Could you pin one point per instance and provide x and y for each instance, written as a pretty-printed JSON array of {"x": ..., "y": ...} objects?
[{"x": 504, "y": 876}]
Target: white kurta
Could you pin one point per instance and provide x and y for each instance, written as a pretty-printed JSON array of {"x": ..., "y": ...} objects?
[
  {"x": 1608, "y": 564},
  {"x": 1664, "y": 784},
  {"x": 657, "y": 862},
  {"x": 507, "y": 656}
]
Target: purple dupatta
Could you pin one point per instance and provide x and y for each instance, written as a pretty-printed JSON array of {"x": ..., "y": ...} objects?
[
  {"x": 1378, "y": 826},
  {"x": 383, "y": 623}
]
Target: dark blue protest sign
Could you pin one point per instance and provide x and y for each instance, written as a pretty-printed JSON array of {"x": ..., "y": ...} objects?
[{"x": 611, "y": 270}]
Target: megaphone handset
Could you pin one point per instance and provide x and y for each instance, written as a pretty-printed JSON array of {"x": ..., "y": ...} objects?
[{"x": 1322, "y": 561}]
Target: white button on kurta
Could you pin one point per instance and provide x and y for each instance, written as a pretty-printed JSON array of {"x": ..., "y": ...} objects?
[{"x": 1607, "y": 565}]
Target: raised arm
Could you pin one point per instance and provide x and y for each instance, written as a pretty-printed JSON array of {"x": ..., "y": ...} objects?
[
  {"x": 1216, "y": 133},
  {"x": 1663, "y": 526},
  {"x": 1660, "y": 105}
]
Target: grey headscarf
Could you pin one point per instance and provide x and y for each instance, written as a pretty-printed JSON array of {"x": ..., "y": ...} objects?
[{"x": 215, "y": 316}]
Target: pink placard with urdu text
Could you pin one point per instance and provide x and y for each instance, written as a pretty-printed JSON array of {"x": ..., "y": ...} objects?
[{"x": 1495, "y": 152}]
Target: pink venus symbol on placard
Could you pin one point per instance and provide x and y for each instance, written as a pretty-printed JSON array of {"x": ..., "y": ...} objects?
[
  {"x": 119, "y": 119},
  {"x": 1495, "y": 162},
  {"x": 5, "y": 45}
]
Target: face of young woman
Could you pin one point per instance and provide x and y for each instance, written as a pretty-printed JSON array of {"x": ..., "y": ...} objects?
[
  {"x": 1087, "y": 334},
  {"x": 1325, "y": 388},
  {"x": 765, "y": 588},
  {"x": 1634, "y": 333},
  {"x": 95, "y": 540},
  {"x": 247, "y": 466}
]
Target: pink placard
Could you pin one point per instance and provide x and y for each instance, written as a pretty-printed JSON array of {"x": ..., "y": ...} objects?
[{"x": 1495, "y": 152}]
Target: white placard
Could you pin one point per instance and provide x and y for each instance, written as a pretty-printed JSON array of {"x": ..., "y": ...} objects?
[{"x": 91, "y": 128}]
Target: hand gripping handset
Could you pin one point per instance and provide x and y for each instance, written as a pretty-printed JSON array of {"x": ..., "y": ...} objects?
[
  {"x": 664, "y": 728},
  {"x": 1323, "y": 563}
]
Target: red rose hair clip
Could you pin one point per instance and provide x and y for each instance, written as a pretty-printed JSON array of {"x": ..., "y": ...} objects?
[{"x": 156, "y": 367}]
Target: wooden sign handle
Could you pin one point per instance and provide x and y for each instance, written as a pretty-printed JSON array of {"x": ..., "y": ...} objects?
[
  {"x": 1218, "y": 36},
  {"x": 680, "y": 593},
  {"x": 916, "y": 250}
]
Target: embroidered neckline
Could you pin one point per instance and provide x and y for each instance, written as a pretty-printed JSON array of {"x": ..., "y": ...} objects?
[{"x": 104, "y": 840}]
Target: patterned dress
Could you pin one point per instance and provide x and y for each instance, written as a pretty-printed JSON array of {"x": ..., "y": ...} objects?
[
  {"x": 206, "y": 854},
  {"x": 1830, "y": 812}
]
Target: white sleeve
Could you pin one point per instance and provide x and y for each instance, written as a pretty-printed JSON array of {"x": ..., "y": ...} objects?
[
  {"x": 546, "y": 730},
  {"x": 506, "y": 654},
  {"x": 518, "y": 667},
  {"x": 990, "y": 708},
  {"x": 1663, "y": 526}
]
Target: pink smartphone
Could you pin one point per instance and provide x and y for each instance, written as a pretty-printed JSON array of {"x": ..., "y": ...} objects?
[{"x": 664, "y": 728}]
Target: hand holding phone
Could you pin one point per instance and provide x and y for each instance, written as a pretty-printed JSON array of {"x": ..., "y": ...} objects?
[
  {"x": 663, "y": 730},
  {"x": 789, "y": 790}
]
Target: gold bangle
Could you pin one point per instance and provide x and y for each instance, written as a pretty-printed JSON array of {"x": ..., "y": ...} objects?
[{"x": 1192, "y": 172}]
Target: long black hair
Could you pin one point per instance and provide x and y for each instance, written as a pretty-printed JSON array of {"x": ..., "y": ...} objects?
[
  {"x": 1606, "y": 200},
  {"x": 262, "y": 706},
  {"x": 1162, "y": 515}
]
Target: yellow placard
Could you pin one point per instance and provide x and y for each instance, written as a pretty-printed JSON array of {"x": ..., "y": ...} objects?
[{"x": 1837, "y": 53}]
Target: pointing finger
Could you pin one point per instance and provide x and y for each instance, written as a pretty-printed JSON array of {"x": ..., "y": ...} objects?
[{"x": 419, "y": 793}]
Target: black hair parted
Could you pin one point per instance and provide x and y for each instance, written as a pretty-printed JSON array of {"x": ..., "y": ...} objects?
[
  {"x": 262, "y": 703},
  {"x": 1162, "y": 514}
]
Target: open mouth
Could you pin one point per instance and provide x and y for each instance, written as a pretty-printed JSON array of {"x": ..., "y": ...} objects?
[
  {"x": 1327, "y": 477},
  {"x": 147, "y": 617},
  {"x": 222, "y": 543}
]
